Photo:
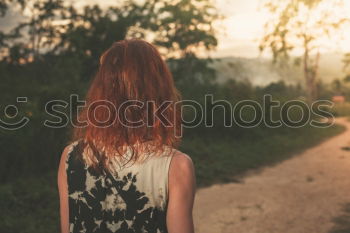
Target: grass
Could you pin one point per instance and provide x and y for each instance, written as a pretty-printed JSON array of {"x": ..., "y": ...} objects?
[
  {"x": 222, "y": 159},
  {"x": 30, "y": 204},
  {"x": 341, "y": 109}
]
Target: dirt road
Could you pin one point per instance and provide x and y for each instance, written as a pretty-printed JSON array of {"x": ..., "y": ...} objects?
[{"x": 299, "y": 195}]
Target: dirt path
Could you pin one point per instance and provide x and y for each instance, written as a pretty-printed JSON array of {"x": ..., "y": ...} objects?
[{"x": 300, "y": 195}]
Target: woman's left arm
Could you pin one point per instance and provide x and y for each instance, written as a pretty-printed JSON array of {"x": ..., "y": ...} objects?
[{"x": 63, "y": 192}]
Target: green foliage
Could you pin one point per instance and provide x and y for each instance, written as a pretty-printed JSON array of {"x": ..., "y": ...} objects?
[
  {"x": 338, "y": 87},
  {"x": 341, "y": 110},
  {"x": 184, "y": 28},
  {"x": 184, "y": 25},
  {"x": 219, "y": 157},
  {"x": 191, "y": 72},
  {"x": 30, "y": 205}
]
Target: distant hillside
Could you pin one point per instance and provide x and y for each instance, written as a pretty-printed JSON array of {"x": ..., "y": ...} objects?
[{"x": 260, "y": 71}]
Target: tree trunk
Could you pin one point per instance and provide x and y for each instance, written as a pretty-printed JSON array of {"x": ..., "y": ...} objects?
[{"x": 310, "y": 73}]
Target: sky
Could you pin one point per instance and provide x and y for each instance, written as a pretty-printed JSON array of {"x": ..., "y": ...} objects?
[
  {"x": 239, "y": 33},
  {"x": 243, "y": 26}
]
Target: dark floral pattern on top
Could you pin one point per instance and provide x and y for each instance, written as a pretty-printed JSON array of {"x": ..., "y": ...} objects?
[{"x": 100, "y": 202}]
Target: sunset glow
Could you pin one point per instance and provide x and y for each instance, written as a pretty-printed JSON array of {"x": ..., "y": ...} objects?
[
  {"x": 242, "y": 28},
  {"x": 245, "y": 22},
  {"x": 240, "y": 32}
]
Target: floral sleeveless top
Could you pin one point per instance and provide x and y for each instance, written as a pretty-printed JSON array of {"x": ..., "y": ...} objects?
[{"x": 132, "y": 199}]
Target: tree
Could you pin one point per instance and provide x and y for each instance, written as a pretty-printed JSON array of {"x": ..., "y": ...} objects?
[
  {"x": 3, "y": 7},
  {"x": 5, "y": 4},
  {"x": 54, "y": 28},
  {"x": 299, "y": 25},
  {"x": 92, "y": 31},
  {"x": 183, "y": 26},
  {"x": 37, "y": 34},
  {"x": 183, "y": 29},
  {"x": 346, "y": 61}
]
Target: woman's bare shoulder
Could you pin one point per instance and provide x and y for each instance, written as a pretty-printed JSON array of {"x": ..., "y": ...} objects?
[
  {"x": 181, "y": 160},
  {"x": 182, "y": 168}
]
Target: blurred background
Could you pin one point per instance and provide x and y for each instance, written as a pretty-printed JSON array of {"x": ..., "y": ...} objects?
[{"x": 234, "y": 50}]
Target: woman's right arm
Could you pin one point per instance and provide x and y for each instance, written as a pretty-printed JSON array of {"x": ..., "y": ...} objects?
[{"x": 182, "y": 187}]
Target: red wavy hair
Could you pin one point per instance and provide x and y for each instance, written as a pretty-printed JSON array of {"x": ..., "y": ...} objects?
[{"x": 131, "y": 71}]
